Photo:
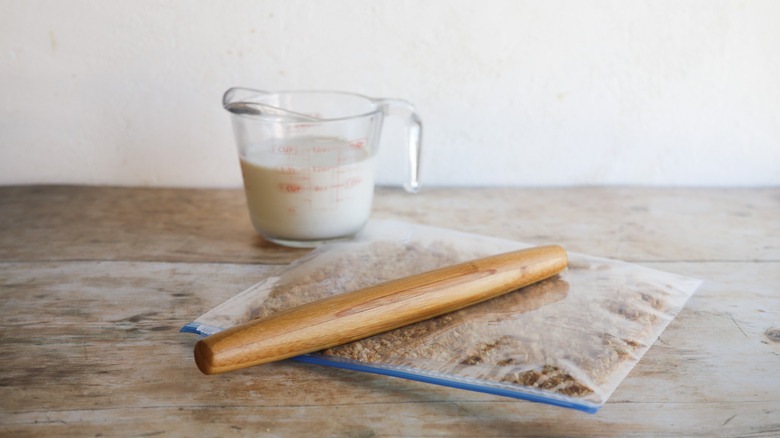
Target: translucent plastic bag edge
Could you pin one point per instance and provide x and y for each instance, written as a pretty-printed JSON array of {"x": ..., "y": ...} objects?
[{"x": 446, "y": 379}]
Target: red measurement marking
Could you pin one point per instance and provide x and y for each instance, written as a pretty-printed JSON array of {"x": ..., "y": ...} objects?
[
  {"x": 320, "y": 188},
  {"x": 357, "y": 144},
  {"x": 284, "y": 149},
  {"x": 351, "y": 183},
  {"x": 286, "y": 170},
  {"x": 289, "y": 188},
  {"x": 322, "y": 168},
  {"x": 299, "y": 127},
  {"x": 322, "y": 149}
]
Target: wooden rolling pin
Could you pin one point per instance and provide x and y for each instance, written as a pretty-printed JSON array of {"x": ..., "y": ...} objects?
[{"x": 355, "y": 315}]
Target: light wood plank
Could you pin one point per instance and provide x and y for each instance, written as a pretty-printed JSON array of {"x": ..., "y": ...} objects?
[
  {"x": 95, "y": 283},
  {"x": 100, "y": 223},
  {"x": 50, "y": 223},
  {"x": 632, "y": 224},
  {"x": 432, "y": 419},
  {"x": 88, "y": 348}
]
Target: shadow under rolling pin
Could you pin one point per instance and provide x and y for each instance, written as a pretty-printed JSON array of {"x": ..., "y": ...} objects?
[{"x": 356, "y": 315}]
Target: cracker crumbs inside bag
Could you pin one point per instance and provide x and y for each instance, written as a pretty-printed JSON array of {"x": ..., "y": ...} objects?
[{"x": 568, "y": 341}]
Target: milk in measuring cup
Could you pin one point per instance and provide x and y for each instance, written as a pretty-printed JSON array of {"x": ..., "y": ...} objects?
[{"x": 309, "y": 188}]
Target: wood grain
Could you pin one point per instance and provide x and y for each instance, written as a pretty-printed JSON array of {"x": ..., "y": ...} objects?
[
  {"x": 113, "y": 223},
  {"x": 358, "y": 314},
  {"x": 89, "y": 331},
  {"x": 632, "y": 224}
]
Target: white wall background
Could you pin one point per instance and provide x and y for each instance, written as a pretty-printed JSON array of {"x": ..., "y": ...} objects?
[{"x": 522, "y": 93}]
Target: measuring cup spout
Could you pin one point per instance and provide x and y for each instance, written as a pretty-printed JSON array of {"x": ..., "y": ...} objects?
[{"x": 244, "y": 102}]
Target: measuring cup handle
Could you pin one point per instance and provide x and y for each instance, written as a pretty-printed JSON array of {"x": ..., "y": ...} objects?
[{"x": 405, "y": 110}]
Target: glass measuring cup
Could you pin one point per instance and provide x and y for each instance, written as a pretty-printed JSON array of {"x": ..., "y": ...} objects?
[{"x": 308, "y": 159}]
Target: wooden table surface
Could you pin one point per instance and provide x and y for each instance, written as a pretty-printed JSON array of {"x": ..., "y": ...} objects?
[{"x": 95, "y": 283}]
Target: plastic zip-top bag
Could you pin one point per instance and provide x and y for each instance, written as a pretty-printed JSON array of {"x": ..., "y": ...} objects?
[{"x": 567, "y": 341}]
